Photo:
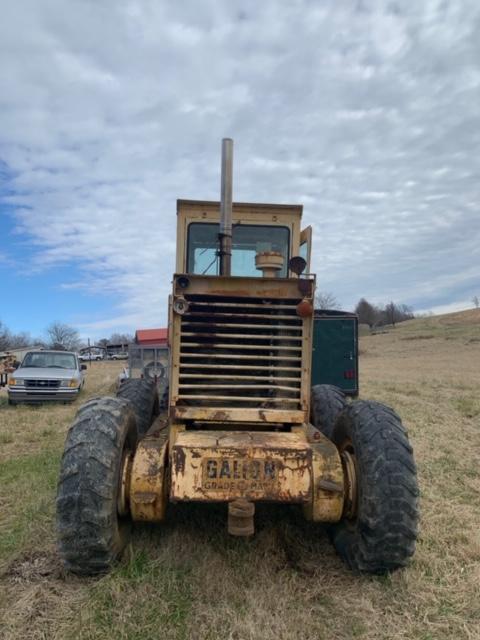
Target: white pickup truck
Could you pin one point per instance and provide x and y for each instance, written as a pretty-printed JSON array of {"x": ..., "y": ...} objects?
[
  {"x": 86, "y": 357},
  {"x": 46, "y": 375}
]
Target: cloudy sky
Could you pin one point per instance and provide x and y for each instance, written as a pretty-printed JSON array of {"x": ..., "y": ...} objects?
[{"x": 366, "y": 112}]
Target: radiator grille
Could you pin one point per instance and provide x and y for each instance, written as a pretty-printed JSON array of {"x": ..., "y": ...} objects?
[
  {"x": 42, "y": 384},
  {"x": 240, "y": 352}
]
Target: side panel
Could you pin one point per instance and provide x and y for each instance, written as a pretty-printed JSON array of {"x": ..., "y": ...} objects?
[{"x": 335, "y": 351}]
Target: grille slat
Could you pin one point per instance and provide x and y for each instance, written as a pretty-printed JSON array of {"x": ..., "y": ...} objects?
[
  {"x": 245, "y": 305},
  {"x": 189, "y": 334},
  {"x": 253, "y": 386},
  {"x": 225, "y": 356},
  {"x": 227, "y": 367},
  {"x": 249, "y": 316},
  {"x": 266, "y": 399},
  {"x": 270, "y": 378},
  {"x": 260, "y": 338},
  {"x": 252, "y": 347}
]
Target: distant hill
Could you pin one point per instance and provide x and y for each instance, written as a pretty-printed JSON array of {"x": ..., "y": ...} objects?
[{"x": 460, "y": 325}]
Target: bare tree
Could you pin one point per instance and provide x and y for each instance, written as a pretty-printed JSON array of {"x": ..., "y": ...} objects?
[
  {"x": 367, "y": 313},
  {"x": 4, "y": 337},
  {"x": 62, "y": 336},
  {"x": 326, "y": 300},
  {"x": 405, "y": 312},
  {"x": 476, "y": 302},
  {"x": 19, "y": 340},
  {"x": 391, "y": 313},
  {"x": 120, "y": 338},
  {"x": 9, "y": 340}
]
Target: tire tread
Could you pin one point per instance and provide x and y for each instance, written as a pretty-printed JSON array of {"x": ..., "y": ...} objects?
[
  {"x": 89, "y": 537},
  {"x": 382, "y": 538}
]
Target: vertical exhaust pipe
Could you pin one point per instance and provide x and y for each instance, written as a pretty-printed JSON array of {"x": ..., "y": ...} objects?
[{"x": 225, "y": 235}]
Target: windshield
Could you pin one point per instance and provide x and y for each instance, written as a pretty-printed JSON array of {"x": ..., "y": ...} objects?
[
  {"x": 43, "y": 359},
  {"x": 247, "y": 241}
]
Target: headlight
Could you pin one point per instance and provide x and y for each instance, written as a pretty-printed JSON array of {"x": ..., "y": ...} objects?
[
  {"x": 72, "y": 384},
  {"x": 180, "y": 306},
  {"x": 15, "y": 382}
]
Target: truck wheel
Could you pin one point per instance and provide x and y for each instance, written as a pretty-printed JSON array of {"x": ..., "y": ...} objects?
[
  {"x": 143, "y": 397},
  {"x": 327, "y": 402},
  {"x": 379, "y": 528},
  {"x": 154, "y": 370},
  {"x": 91, "y": 533}
]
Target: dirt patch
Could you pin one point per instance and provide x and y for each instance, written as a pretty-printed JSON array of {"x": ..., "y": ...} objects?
[
  {"x": 35, "y": 594},
  {"x": 35, "y": 566}
]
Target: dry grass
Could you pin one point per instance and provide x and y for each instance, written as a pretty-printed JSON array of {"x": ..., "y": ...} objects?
[{"x": 188, "y": 579}]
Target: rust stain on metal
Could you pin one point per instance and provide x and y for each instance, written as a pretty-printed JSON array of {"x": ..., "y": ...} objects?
[
  {"x": 240, "y": 518},
  {"x": 305, "y": 286},
  {"x": 330, "y": 485},
  {"x": 327, "y": 497},
  {"x": 179, "y": 460},
  {"x": 220, "y": 416},
  {"x": 148, "y": 483}
]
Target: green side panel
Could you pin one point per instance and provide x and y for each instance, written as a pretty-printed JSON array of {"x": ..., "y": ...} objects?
[{"x": 335, "y": 352}]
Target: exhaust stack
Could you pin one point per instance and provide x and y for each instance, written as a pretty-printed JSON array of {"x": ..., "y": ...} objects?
[{"x": 225, "y": 235}]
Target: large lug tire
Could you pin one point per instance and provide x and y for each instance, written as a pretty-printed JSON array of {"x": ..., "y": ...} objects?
[
  {"x": 326, "y": 403},
  {"x": 379, "y": 533},
  {"x": 91, "y": 534},
  {"x": 164, "y": 398},
  {"x": 143, "y": 397}
]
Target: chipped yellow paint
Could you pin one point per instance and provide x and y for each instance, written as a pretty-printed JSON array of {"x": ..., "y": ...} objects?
[
  {"x": 148, "y": 479},
  {"x": 327, "y": 490}
]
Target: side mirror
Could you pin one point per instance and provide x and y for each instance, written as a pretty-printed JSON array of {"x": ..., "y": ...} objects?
[
  {"x": 83, "y": 367},
  {"x": 297, "y": 264}
]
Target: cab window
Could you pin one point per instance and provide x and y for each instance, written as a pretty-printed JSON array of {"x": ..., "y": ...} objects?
[{"x": 247, "y": 241}]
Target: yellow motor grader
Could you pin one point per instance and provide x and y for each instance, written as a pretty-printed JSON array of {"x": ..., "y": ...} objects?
[{"x": 242, "y": 424}]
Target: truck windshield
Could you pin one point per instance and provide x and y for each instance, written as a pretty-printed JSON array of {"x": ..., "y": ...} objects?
[
  {"x": 45, "y": 359},
  {"x": 247, "y": 241}
]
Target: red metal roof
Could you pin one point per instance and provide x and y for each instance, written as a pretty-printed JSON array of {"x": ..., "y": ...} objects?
[{"x": 151, "y": 336}]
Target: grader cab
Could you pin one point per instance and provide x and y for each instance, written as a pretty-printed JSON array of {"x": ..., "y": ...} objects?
[{"x": 243, "y": 425}]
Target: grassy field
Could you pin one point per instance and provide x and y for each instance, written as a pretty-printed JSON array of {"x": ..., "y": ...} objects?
[{"x": 188, "y": 579}]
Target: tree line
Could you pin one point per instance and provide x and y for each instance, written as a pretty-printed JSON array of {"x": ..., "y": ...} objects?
[
  {"x": 380, "y": 315},
  {"x": 372, "y": 314},
  {"x": 58, "y": 335}
]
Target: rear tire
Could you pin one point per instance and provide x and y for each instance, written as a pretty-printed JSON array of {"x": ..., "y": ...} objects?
[
  {"x": 327, "y": 402},
  {"x": 91, "y": 534},
  {"x": 381, "y": 536},
  {"x": 143, "y": 397}
]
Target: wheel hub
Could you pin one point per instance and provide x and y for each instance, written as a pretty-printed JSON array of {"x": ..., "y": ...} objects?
[
  {"x": 350, "y": 474},
  {"x": 124, "y": 484}
]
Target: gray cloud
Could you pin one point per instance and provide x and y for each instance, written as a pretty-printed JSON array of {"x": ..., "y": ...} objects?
[{"x": 367, "y": 113}]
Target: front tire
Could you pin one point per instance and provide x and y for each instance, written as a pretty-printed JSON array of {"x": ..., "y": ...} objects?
[
  {"x": 326, "y": 402},
  {"x": 379, "y": 533},
  {"x": 91, "y": 534},
  {"x": 142, "y": 395}
]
